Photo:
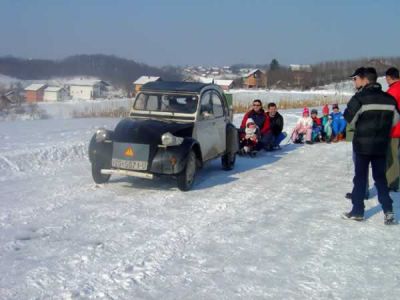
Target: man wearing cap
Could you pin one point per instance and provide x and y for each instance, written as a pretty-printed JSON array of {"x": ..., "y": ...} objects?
[
  {"x": 392, "y": 161},
  {"x": 372, "y": 113}
]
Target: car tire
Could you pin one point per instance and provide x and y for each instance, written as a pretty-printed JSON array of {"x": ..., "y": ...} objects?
[
  {"x": 228, "y": 161},
  {"x": 186, "y": 178},
  {"x": 97, "y": 176}
]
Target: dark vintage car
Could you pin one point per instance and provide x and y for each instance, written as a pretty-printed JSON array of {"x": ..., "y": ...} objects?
[{"x": 173, "y": 129}]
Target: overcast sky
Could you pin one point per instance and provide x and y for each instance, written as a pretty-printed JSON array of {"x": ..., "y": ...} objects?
[{"x": 207, "y": 32}]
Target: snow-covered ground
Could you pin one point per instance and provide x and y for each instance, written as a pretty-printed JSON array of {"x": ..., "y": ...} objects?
[{"x": 269, "y": 229}]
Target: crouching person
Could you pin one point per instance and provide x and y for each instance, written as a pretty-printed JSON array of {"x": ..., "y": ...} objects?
[
  {"x": 316, "y": 135},
  {"x": 274, "y": 136},
  {"x": 250, "y": 138},
  {"x": 338, "y": 124},
  {"x": 303, "y": 129},
  {"x": 326, "y": 122},
  {"x": 260, "y": 118}
]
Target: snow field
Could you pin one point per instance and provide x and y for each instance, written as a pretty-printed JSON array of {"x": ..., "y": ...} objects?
[{"x": 268, "y": 229}]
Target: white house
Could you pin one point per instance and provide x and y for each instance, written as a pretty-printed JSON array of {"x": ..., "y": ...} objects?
[
  {"x": 225, "y": 84},
  {"x": 305, "y": 68},
  {"x": 87, "y": 89},
  {"x": 55, "y": 93}
]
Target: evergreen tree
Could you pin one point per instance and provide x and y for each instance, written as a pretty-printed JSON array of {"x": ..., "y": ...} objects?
[{"x": 274, "y": 65}]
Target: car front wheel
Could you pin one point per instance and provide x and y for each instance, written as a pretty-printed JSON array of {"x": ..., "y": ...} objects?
[
  {"x": 97, "y": 176},
  {"x": 186, "y": 178}
]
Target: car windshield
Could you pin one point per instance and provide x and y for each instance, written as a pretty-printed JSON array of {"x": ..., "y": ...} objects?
[{"x": 185, "y": 104}]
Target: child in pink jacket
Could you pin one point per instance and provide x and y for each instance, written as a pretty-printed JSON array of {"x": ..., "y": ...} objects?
[{"x": 303, "y": 128}]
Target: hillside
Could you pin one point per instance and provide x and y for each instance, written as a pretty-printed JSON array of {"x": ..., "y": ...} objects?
[{"x": 119, "y": 71}]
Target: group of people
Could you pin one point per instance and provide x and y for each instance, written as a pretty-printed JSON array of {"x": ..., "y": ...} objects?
[
  {"x": 261, "y": 129},
  {"x": 372, "y": 117},
  {"x": 311, "y": 129}
]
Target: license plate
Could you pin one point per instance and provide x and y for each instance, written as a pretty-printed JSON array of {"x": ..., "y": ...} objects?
[
  {"x": 130, "y": 156},
  {"x": 129, "y": 164}
]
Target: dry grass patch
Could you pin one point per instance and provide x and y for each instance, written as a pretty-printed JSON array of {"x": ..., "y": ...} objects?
[{"x": 284, "y": 103}]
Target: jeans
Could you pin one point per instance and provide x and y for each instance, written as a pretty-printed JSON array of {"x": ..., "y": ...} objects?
[
  {"x": 360, "y": 183},
  {"x": 271, "y": 140},
  {"x": 338, "y": 126}
]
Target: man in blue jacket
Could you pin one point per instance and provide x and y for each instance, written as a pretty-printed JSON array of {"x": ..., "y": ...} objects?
[{"x": 372, "y": 113}]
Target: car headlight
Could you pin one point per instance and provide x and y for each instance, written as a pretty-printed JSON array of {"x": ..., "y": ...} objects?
[
  {"x": 101, "y": 135},
  {"x": 168, "y": 139}
]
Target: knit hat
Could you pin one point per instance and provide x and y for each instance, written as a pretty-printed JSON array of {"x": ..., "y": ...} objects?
[
  {"x": 306, "y": 111},
  {"x": 249, "y": 120},
  {"x": 325, "y": 110},
  {"x": 314, "y": 111},
  {"x": 335, "y": 106}
]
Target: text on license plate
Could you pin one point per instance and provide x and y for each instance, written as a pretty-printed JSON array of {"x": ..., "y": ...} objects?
[{"x": 129, "y": 164}]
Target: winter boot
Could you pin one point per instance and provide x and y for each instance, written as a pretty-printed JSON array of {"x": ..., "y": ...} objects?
[
  {"x": 389, "y": 218},
  {"x": 366, "y": 197},
  {"x": 350, "y": 216},
  {"x": 253, "y": 153}
]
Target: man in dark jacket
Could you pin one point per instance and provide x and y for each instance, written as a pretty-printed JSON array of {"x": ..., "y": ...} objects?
[
  {"x": 275, "y": 135},
  {"x": 372, "y": 113}
]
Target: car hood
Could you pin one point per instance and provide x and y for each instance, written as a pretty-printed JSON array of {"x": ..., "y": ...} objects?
[{"x": 148, "y": 131}]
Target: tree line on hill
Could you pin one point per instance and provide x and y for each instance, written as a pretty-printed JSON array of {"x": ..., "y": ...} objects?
[
  {"x": 281, "y": 76},
  {"x": 119, "y": 71},
  {"x": 122, "y": 72}
]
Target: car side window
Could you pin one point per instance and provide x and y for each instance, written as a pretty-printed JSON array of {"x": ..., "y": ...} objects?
[
  {"x": 206, "y": 106},
  {"x": 153, "y": 102},
  {"x": 217, "y": 105},
  {"x": 140, "y": 102}
]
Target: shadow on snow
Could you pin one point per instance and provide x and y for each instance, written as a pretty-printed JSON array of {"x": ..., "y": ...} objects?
[{"x": 211, "y": 174}]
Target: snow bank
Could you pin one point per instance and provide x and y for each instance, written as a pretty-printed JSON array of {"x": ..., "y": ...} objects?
[
  {"x": 76, "y": 108},
  {"x": 45, "y": 146}
]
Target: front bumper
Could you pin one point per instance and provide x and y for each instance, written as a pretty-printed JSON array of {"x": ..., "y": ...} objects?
[{"x": 127, "y": 173}]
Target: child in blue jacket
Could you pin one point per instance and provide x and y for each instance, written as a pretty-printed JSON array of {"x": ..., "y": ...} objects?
[{"x": 338, "y": 124}]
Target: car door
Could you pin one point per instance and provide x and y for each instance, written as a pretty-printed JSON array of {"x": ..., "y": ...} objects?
[
  {"x": 219, "y": 122},
  {"x": 210, "y": 126},
  {"x": 205, "y": 129}
]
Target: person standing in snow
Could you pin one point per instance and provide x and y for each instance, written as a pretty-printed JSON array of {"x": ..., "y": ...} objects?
[
  {"x": 303, "y": 128},
  {"x": 259, "y": 117},
  {"x": 275, "y": 135},
  {"x": 338, "y": 124},
  {"x": 392, "y": 162},
  {"x": 372, "y": 113}
]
